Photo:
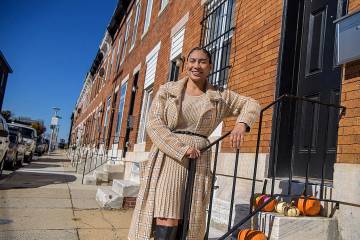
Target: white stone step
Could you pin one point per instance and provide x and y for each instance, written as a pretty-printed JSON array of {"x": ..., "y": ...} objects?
[
  {"x": 278, "y": 227},
  {"x": 101, "y": 176},
  {"x": 125, "y": 188},
  {"x": 108, "y": 199},
  {"x": 90, "y": 179}
]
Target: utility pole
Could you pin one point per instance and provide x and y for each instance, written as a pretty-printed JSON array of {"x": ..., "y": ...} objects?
[{"x": 54, "y": 126}]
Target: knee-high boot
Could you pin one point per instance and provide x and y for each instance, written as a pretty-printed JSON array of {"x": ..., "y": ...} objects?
[{"x": 165, "y": 232}]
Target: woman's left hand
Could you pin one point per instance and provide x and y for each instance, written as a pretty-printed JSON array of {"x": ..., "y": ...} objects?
[{"x": 237, "y": 135}]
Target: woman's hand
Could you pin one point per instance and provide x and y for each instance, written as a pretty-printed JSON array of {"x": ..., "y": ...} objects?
[
  {"x": 237, "y": 135},
  {"x": 192, "y": 153}
]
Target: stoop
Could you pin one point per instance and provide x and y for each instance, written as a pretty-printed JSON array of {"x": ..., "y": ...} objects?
[
  {"x": 108, "y": 199},
  {"x": 279, "y": 227}
]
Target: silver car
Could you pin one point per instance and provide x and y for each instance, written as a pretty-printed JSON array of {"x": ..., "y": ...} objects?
[
  {"x": 4, "y": 142},
  {"x": 29, "y": 137}
]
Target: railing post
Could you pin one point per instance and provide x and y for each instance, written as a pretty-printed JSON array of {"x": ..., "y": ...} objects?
[
  {"x": 188, "y": 197},
  {"x": 233, "y": 188},
  {"x": 324, "y": 159},
  {"x": 212, "y": 191},
  {"x": 83, "y": 175},
  {"x": 309, "y": 150}
]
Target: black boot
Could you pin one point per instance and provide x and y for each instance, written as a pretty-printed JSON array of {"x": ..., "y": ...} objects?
[{"x": 165, "y": 232}]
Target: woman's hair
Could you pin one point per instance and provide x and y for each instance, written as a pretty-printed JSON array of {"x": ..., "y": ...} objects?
[{"x": 200, "y": 49}]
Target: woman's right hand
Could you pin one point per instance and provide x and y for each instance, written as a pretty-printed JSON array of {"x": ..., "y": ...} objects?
[{"x": 192, "y": 153}]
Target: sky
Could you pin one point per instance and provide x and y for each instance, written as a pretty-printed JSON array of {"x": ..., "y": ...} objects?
[{"x": 50, "y": 46}]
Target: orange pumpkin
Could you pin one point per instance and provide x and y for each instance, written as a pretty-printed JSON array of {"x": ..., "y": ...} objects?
[
  {"x": 263, "y": 198},
  {"x": 309, "y": 207},
  {"x": 248, "y": 234}
]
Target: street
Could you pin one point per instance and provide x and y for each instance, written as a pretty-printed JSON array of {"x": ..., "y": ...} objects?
[{"x": 46, "y": 200}]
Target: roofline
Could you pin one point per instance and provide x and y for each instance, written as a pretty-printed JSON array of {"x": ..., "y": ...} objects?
[{"x": 3, "y": 59}]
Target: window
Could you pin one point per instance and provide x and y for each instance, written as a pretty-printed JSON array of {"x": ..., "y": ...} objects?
[
  {"x": 136, "y": 23},
  {"x": 217, "y": 31},
  {"x": 174, "y": 71},
  {"x": 151, "y": 61},
  {"x": 118, "y": 53},
  {"x": 126, "y": 37},
  {"x": 163, "y": 4},
  {"x": 147, "y": 100},
  {"x": 175, "y": 54},
  {"x": 108, "y": 102},
  {"x": 121, "y": 110},
  {"x": 148, "y": 15},
  {"x": 112, "y": 61}
]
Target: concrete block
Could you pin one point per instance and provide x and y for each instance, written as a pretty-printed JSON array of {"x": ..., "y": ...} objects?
[
  {"x": 108, "y": 199},
  {"x": 109, "y": 167},
  {"x": 347, "y": 189},
  {"x": 125, "y": 188},
  {"x": 278, "y": 227},
  {"x": 90, "y": 180},
  {"x": 101, "y": 176}
]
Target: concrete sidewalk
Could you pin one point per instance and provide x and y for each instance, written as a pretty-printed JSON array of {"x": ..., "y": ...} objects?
[{"x": 46, "y": 200}]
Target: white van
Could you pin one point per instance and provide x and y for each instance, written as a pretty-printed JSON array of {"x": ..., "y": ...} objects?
[
  {"x": 29, "y": 136},
  {"x": 4, "y": 142}
]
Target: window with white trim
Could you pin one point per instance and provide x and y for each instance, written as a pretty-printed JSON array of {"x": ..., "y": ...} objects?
[
  {"x": 177, "y": 41},
  {"x": 122, "y": 94},
  {"x": 136, "y": 23},
  {"x": 126, "y": 38},
  {"x": 118, "y": 53},
  {"x": 148, "y": 15},
  {"x": 147, "y": 100},
  {"x": 108, "y": 105}
]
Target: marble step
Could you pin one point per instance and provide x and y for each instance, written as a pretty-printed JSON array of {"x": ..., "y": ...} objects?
[
  {"x": 125, "y": 188},
  {"x": 108, "y": 199},
  {"x": 279, "y": 227}
]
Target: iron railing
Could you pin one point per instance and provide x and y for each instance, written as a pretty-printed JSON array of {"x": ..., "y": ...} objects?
[
  {"x": 278, "y": 104},
  {"x": 93, "y": 155}
]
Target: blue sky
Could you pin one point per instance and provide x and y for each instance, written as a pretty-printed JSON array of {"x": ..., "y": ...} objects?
[{"x": 50, "y": 45}]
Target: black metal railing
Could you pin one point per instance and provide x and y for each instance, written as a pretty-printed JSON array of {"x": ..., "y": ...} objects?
[
  {"x": 278, "y": 107},
  {"x": 94, "y": 154}
]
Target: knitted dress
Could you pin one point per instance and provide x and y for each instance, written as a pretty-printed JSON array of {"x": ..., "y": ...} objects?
[{"x": 170, "y": 190}]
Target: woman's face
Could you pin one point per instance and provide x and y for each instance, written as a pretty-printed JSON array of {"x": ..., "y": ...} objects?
[{"x": 198, "y": 66}]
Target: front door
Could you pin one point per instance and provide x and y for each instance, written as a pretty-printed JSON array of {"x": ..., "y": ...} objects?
[{"x": 315, "y": 131}]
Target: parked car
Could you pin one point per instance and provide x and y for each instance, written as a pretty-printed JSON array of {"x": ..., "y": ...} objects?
[
  {"x": 16, "y": 154},
  {"x": 29, "y": 136},
  {"x": 61, "y": 144},
  {"x": 4, "y": 142},
  {"x": 40, "y": 146}
]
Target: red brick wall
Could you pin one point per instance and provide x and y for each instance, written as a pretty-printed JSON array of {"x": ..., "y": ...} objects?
[
  {"x": 349, "y": 131},
  {"x": 254, "y": 57}
]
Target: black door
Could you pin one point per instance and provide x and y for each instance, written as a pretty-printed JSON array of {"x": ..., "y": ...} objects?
[{"x": 315, "y": 131}]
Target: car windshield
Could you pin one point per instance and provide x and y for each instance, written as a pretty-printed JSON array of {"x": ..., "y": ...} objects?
[{"x": 27, "y": 133}]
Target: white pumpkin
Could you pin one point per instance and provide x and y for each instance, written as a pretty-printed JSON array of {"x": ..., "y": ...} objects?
[
  {"x": 291, "y": 210},
  {"x": 280, "y": 206}
]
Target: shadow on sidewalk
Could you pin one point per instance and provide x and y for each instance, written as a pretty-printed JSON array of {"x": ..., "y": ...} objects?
[{"x": 19, "y": 180}]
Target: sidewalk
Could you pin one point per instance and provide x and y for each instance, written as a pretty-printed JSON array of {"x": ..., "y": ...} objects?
[{"x": 46, "y": 200}]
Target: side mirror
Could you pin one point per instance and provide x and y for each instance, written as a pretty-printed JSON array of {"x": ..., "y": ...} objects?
[{"x": 4, "y": 133}]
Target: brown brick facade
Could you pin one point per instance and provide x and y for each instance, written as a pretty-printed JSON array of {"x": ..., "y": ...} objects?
[
  {"x": 349, "y": 131},
  {"x": 254, "y": 60}
]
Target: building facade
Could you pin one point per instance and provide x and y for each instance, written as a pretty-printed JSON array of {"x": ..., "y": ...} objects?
[
  {"x": 261, "y": 49},
  {"x": 5, "y": 69}
]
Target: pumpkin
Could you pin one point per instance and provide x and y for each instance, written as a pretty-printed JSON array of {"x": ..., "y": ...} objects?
[
  {"x": 279, "y": 208},
  {"x": 309, "y": 207},
  {"x": 264, "y": 198},
  {"x": 248, "y": 234},
  {"x": 291, "y": 210}
]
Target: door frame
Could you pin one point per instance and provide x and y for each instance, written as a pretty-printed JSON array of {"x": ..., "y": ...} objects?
[{"x": 286, "y": 81}]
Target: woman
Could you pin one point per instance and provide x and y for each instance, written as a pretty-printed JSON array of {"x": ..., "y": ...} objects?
[{"x": 183, "y": 114}]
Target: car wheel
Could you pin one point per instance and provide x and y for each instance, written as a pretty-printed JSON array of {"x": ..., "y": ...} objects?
[
  {"x": 21, "y": 163},
  {"x": 13, "y": 163}
]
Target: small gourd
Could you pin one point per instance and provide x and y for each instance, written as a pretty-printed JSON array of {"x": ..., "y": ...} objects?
[
  {"x": 264, "y": 198},
  {"x": 291, "y": 210},
  {"x": 309, "y": 207},
  {"x": 279, "y": 208},
  {"x": 248, "y": 234}
]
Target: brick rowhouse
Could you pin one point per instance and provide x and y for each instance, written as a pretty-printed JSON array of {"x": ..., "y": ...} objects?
[{"x": 265, "y": 63}]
